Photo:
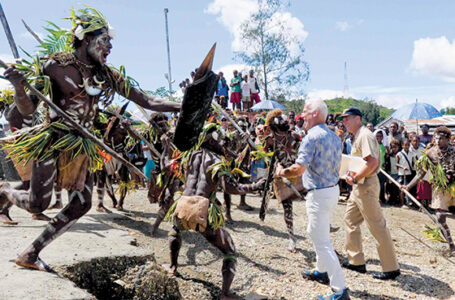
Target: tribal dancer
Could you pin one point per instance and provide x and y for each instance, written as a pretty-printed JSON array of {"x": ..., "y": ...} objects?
[
  {"x": 238, "y": 146},
  {"x": 17, "y": 122},
  {"x": 166, "y": 169},
  {"x": 197, "y": 210},
  {"x": 439, "y": 160},
  {"x": 285, "y": 143},
  {"x": 79, "y": 80}
]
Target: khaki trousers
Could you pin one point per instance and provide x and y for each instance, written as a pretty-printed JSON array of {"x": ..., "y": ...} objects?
[{"x": 363, "y": 204}]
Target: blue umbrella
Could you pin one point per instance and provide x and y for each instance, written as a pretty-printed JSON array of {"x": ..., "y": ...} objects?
[
  {"x": 267, "y": 105},
  {"x": 416, "y": 111}
]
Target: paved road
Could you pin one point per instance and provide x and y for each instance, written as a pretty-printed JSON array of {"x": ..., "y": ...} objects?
[{"x": 89, "y": 238}]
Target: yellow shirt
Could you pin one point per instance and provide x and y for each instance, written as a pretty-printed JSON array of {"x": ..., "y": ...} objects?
[{"x": 365, "y": 144}]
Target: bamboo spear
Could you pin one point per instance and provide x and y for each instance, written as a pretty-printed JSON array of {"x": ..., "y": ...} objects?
[
  {"x": 413, "y": 199},
  {"x": 137, "y": 135}
]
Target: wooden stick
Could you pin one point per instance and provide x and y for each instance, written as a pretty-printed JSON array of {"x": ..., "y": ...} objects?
[
  {"x": 79, "y": 128},
  {"x": 137, "y": 134},
  {"x": 412, "y": 198},
  {"x": 425, "y": 244},
  {"x": 225, "y": 114}
]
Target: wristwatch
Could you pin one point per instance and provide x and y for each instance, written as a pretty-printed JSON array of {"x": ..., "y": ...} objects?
[{"x": 354, "y": 180}]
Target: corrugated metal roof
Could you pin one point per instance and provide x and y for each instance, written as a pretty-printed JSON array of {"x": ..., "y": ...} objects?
[{"x": 411, "y": 125}]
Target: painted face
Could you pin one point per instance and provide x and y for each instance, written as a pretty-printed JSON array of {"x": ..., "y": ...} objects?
[
  {"x": 99, "y": 47},
  {"x": 441, "y": 140},
  {"x": 163, "y": 124}
]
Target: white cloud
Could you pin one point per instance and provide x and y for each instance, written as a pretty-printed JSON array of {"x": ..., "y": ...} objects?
[
  {"x": 393, "y": 101},
  {"x": 434, "y": 57},
  {"x": 449, "y": 102},
  {"x": 324, "y": 94},
  {"x": 342, "y": 25},
  {"x": 345, "y": 25},
  {"x": 231, "y": 14}
]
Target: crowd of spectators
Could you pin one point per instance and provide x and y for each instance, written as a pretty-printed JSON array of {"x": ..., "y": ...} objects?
[
  {"x": 244, "y": 91},
  {"x": 399, "y": 149}
]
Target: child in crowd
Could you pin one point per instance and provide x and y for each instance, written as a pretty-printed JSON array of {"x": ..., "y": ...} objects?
[
  {"x": 245, "y": 86},
  {"x": 405, "y": 165},
  {"x": 394, "y": 191},
  {"x": 382, "y": 179}
]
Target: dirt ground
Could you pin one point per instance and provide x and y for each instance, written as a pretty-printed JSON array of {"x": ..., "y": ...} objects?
[{"x": 265, "y": 270}]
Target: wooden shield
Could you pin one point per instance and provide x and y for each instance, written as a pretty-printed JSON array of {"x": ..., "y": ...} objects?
[{"x": 196, "y": 105}]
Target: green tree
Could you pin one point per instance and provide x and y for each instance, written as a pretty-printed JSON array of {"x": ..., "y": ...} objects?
[
  {"x": 448, "y": 111},
  {"x": 372, "y": 112},
  {"x": 277, "y": 67}
]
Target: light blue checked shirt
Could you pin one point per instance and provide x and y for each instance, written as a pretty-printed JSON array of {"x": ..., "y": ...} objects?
[{"x": 320, "y": 153}]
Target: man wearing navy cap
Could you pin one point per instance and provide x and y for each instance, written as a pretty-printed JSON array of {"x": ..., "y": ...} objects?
[{"x": 363, "y": 203}]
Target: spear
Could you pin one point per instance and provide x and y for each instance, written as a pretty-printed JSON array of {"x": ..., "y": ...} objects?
[
  {"x": 78, "y": 127},
  {"x": 8, "y": 33},
  {"x": 137, "y": 135},
  {"x": 33, "y": 33},
  {"x": 413, "y": 199}
]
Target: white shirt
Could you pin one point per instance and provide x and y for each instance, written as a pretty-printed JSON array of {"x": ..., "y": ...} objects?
[
  {"x": 409, "y": 163},
  {"x": 245, "y": 89},
  {"x": 252, "y": 83}
]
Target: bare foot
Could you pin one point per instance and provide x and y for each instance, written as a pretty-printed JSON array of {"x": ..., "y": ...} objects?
[
  {"x": 119, "y": 208},
  {"x": 170, "y": 269},
  {"x": 244, "y": 206},
  {"x": 33, "y": 263},
  {"x": 292, "y": 246},
  {"x": 101, "y": 208},
  {"x": 40, "y": 217},
  {"x": 5, "y": 219},
  {"x": 230, "y": 296},
  {"x": 154, "y": 231},
  {"x": 57, "y": 205},
  {"x": 229, "y": 220}
]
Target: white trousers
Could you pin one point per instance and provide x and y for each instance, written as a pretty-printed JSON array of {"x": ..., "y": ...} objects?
[{"x": 319, "y": 206}]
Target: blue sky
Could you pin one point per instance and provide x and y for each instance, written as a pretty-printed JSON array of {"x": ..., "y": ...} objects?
[{"x": 396, "y": 51}]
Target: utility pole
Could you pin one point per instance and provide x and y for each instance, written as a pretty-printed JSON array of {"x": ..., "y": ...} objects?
[
  {"x": 169, "y": 76},
  {"x": 346, "y": 86}
]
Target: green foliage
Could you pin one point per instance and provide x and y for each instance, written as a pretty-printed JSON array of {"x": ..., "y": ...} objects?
[
  {"x": 448, "y": 111},
  {"x": 372, "y": 112},
  {"x": 32, "y": 68},
  {"x": 58, "y": 40},
  {"x": 268, "y": 51},
  {"x": 90, "y": 18},
  {"x": 159, "y": 92}
]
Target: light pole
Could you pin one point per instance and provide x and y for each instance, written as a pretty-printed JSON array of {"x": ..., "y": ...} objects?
[{"x": 169, "y": 76}]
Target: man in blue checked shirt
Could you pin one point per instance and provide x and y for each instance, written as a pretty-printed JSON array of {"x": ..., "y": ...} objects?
[{"x": 318, "y": 162}]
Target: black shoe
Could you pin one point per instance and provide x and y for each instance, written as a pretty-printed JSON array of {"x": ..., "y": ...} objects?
[
  {"x": 387, "y": 275},
  {"x": 358, "y": 268},
  {"x": 316, "y": 276}
]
